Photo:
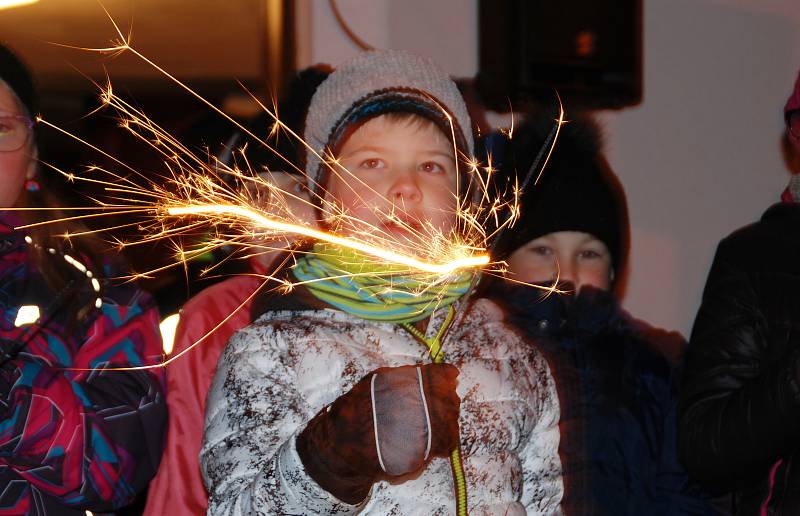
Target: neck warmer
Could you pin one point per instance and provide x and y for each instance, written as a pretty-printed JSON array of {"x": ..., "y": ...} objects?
[{"x": 355, "y": 284}]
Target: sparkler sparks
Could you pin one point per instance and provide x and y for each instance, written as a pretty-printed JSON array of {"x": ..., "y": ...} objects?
[{"x": 254, "y": 213}]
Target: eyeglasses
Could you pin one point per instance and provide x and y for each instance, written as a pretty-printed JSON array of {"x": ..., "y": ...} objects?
[
  {"x": 14, "y": 132},
  {"x": 793, "y": 123}
]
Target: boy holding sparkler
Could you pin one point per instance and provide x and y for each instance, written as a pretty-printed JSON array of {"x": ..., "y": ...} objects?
[{"x": 327, "y": 403}]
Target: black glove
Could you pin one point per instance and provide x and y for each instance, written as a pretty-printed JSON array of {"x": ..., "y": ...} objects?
[{"x": 391, "y": 423}]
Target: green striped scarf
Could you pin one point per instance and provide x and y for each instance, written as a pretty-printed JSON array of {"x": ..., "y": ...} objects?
[{"x": 361, "y": 286}]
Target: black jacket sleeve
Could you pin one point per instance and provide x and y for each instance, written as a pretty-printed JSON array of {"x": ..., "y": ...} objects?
[{"x": 739, "y": 406}]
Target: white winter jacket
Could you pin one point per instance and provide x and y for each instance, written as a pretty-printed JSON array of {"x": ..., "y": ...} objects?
[{"x": 277, "y": 373}]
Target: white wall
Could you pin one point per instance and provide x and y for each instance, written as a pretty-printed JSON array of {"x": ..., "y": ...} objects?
[
  {"x": 698, "y": 158},
  {"x": 445, "y": 30}
]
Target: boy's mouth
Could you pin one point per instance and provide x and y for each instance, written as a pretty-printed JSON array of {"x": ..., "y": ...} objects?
[{"x": 402, "y": 228}]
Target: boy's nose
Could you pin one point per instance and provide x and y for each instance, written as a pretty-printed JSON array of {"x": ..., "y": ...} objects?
[
  {"x": 405, "y": 188},
  {"x": 566, "y": 272}
]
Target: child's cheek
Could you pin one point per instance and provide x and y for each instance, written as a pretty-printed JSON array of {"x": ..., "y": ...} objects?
[
  {"x": 442, "y": 211},
  {"x": 359, "y": 209},
  {"x": 446, "y": 223}
]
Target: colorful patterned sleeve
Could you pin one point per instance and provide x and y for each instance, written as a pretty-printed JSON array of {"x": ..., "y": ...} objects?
[{"x": 90, "y": 439}]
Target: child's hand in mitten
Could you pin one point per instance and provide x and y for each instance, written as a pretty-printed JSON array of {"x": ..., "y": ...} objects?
[{"x": 389, "y": 424}]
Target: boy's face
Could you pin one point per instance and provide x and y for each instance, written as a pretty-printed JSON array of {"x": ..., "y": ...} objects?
[
  {"x": 567, "y": 255},
  {"x": 405, "y": 167}
]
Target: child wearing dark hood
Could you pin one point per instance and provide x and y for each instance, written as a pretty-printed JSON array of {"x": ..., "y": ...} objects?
[{"x": 616, "y": 387}]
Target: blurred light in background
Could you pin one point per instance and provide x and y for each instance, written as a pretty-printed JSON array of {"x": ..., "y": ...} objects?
[
  {"x": 168, "y": 327},
  {"x": 27, "y": 314},
  {"x": 7, "y": 4}
]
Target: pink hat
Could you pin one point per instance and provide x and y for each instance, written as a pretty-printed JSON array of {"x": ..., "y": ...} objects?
[
  {"x": 791, "y": 105},
  {"x": 794, "y": 100},
  {"x": 792, "y": 192}
]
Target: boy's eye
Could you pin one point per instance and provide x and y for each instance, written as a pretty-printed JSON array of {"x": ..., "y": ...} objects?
[
  {"x": 373, "y": 163},
  {"x": 589, "y": 255},
  {"x": 541, "y": 250},
  {"x": 431, "y": 167}
]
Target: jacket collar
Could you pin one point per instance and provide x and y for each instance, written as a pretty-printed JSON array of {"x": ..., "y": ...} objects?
[
  {"x": 787, "y": 213},
  {"x": 8, "y": 221},
  {"x": 10, "y": 239},
  {"x": 549, "y": 314}
]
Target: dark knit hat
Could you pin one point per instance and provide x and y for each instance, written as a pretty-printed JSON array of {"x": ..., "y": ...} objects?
[
  {"x": 14, "y": 73},
  {"x": 577, "y": 190}
]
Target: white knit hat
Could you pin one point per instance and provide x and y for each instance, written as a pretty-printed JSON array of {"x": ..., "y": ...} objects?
[{"x": 378, "y": 82}]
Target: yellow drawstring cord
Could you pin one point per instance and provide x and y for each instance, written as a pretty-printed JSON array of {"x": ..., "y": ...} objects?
[{"x": 434, "y": 349}]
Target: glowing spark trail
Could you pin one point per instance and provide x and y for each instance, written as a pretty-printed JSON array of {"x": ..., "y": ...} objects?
[
  {"x": 388, "y": 256},
  {"x": 247, "y": 209}
]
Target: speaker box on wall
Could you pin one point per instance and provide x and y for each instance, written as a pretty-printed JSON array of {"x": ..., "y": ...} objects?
[{"x": 590, "y": 51}]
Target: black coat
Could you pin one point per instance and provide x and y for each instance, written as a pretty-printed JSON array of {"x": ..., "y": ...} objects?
[
  {"x": 617, "y": 395},
  {"x": 739, "y": 425}
]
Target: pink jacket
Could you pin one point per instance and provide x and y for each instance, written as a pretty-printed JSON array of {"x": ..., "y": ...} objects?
[{"x": 178, "y": 486}]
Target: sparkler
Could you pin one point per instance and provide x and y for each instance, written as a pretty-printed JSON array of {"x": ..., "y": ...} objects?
[{"x": 253, "y": 214}]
